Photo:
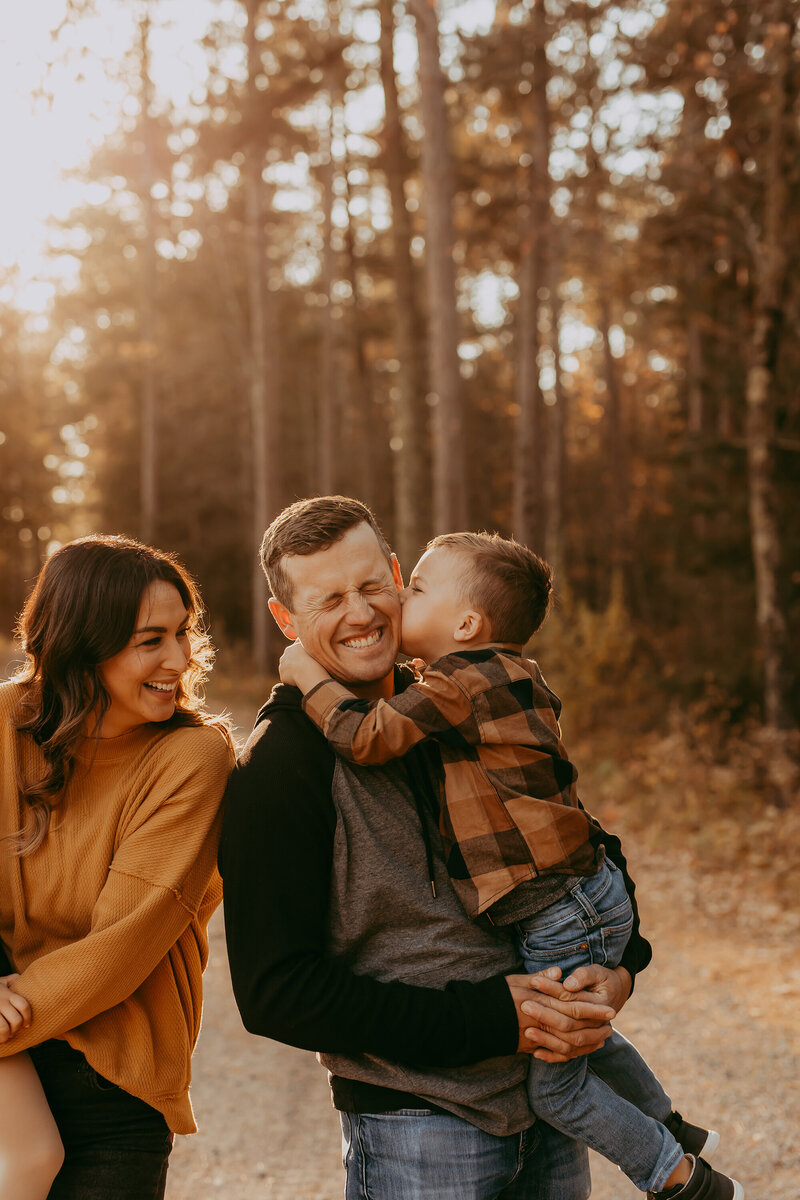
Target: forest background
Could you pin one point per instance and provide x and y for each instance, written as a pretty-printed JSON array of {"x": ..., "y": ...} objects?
[{"x": 529, "y": 266}]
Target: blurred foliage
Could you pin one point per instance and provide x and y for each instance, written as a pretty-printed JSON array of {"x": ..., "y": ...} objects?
[{"x": 659, "y": 155}]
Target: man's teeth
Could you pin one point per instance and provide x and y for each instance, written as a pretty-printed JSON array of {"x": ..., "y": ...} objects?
[
  {"x": 161, "y": 687},
  {"x": 362, "y": 643}
]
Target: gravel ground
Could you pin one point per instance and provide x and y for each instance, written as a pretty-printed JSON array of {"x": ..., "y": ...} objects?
[{"x": 717, "y": 1016}]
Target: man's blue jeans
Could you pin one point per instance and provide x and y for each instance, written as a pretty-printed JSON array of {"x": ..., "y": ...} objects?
[
  {"x": 610, "y": 1099},
  {"x": 416, "y": 1154}
]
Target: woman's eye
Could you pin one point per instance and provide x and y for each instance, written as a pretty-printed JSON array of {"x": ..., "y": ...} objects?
[{"x": 183, "y": 633}]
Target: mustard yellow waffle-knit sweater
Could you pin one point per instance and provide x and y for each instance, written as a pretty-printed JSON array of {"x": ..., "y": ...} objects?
[{"x": 106, "y": 921}]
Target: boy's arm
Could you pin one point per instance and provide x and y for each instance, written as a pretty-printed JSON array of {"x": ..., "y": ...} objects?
[{"x": 373, "y": 732}]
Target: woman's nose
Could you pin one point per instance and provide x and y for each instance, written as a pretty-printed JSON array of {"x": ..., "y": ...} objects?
[{"x": 176, "y": 654}]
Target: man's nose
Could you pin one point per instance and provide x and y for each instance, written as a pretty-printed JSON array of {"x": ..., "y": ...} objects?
[{"x": 359, "y": 610}]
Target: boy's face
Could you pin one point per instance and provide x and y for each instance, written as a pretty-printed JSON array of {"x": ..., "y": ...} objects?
[{"x": 432, "y": 605}]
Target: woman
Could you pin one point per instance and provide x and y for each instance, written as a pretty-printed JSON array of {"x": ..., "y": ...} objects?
[{"x": 111, "y": 778}]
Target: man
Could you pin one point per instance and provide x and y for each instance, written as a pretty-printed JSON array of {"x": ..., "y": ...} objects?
[{"x": 345, "y": 935}]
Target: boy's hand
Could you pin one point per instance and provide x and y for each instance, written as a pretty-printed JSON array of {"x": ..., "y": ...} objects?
[
  {"x": 15, "y": 1011},
  {"x": 300, "y": 669}
]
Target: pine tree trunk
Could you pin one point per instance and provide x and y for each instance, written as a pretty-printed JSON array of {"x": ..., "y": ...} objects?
[
  {"x": 449, "y": 466},
  {"x": 770, "y": 270},
  {"x": 409, "y": 449},
  {"x": 148, "y": 486},
  {"x": 263, "y": 452},
  {"x": 326, "y": 447},
  {"x": 616, "y": 454},
  {"x": 359, "y": 402},
  {"x": 529, "y": 471},
  {"x": 695, "y": 369},
  {"x": 555, "y": 438}
]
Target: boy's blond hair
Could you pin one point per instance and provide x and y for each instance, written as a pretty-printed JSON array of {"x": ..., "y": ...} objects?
[{"x": 505, "y": 580}]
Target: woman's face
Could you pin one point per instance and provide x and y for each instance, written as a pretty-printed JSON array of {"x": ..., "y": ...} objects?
[{"x": 143, "y": 678}]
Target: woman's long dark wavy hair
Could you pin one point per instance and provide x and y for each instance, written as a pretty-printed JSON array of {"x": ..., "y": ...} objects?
[{"x": 81, "y": 612}]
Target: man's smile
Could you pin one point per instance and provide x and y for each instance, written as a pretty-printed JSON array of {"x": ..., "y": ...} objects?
[{"x": 364, "y": 640}]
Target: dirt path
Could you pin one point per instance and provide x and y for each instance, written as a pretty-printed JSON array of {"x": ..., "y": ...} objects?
[{"x": 717, "y": 1016}]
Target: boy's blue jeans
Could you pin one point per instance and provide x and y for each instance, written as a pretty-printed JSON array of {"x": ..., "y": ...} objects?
[{"x": 609, "y": 1099}]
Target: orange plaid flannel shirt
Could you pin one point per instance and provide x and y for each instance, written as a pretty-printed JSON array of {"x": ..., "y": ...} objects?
[{"x": 510, "y": 808}]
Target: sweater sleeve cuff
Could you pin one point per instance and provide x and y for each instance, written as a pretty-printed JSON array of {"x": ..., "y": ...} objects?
[
  {"x": 490, "y": 1018},
  {"x": 636, "y": 957},
  {"x": 323, "y": 698}
]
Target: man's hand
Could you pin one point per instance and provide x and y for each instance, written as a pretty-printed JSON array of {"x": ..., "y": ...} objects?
[
  {"x": 15, "y": 1011},
  {"x": 558, "y": 1022},
  {"x": 593, "y": 984},
  {"x": 297, "y": 667}
]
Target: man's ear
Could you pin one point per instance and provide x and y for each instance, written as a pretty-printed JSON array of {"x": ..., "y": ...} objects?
[
  {"x": 471, "y": 626},
  {"x": 397, "y": 574},
  {"x": 283, "y": 619}
]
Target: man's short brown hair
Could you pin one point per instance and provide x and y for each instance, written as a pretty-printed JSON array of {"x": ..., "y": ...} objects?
[
  {"x": 505, "y": 580},
  {"x": 306, "y": 527}
]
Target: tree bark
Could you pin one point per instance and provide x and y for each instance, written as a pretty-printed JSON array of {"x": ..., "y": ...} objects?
[
  {"x": 555, "y": 437},
  {"x": 261, "y": 387},
  {"x": 148, "y": 485},
  {"x": 770, "y": 267},
  {"x": 695, "y": 366},
  {"x": 409, "y": 450},
  {"x": 529, "y": 467},
  {"x": 327, "y": 457},
  {"x": 359, "y": 402},
  {"x": 449, "y": 466},
  {"x": 616, "y": 452}
]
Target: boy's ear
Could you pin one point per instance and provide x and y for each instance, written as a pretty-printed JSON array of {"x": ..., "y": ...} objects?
[
  {"x": 397, "y": 574},
  {"x": 471, "y": 626},
  {"x": 283, "y": 619}
]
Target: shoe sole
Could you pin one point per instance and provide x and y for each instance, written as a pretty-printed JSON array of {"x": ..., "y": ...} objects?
[
  {"x": 738, "y": 1190},
  {"x": 710, "y": 1147}
]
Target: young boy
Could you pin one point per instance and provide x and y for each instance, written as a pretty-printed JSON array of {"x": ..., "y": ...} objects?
[{"x": 516, "y": 837}]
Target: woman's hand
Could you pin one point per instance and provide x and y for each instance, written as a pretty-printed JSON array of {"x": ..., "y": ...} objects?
[{"x": 15, "y": 1012}]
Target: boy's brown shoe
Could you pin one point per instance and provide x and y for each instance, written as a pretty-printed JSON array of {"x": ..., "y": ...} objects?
[
  {"x": 695, "y": 1140},
  {"x": 704, "y": 1184}
]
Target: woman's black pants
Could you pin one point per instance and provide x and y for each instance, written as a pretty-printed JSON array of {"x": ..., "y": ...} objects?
[{"x": 116, "y": 1146}]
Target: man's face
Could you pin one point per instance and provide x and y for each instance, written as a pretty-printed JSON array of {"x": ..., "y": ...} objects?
[{"x": 345, "y": 607}]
